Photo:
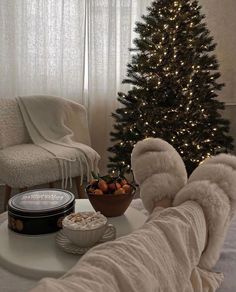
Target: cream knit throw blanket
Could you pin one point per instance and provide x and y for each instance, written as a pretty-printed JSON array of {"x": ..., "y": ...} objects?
[
  {"x": 60, "y": 126},
  {"x": 162, "y": 256}
]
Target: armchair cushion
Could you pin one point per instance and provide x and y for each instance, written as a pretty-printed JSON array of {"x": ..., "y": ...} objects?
[
  {"x": 12, "y": 129},
  {"x": 28, "y": 165}
]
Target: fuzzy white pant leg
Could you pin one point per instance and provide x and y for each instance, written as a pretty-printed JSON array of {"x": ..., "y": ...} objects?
[
  {"x": 161, "y": 256},
  {"x": 213, "y": 186}
]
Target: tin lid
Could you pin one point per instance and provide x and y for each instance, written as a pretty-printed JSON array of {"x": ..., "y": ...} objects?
[{"x": 41, "y": 202}]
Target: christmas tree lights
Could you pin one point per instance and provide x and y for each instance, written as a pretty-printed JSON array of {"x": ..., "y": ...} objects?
[{"x": 173, "y": 73}]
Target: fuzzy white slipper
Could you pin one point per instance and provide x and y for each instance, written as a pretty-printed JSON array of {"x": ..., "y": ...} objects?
[
  {"x": 221, "y": 170},
  {"x": 158, "y": 169},
  {"x": 213, "y": 186}
]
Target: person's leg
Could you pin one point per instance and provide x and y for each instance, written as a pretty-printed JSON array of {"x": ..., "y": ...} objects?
[
  {"x": 213, "y": 186},
  {"x": 158, "y": 257}
]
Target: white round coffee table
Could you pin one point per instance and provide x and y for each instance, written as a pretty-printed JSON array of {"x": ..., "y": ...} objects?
[{"x": 39, "y": 256}]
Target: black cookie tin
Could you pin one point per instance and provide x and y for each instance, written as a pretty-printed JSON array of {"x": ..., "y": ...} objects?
[{"x": 39, "y": 211}]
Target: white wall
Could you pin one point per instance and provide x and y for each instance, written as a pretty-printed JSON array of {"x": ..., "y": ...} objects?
[{"x": 221, "y": 20}]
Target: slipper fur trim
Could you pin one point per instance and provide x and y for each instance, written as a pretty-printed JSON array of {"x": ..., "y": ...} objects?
[
  {"x": 159, "y": 170},
  {"x": 220, "y": 170},
  {"x": 150, "y": 163},
  {"x": 158, "y": 187},
  {"x": 226, "y": 159}
]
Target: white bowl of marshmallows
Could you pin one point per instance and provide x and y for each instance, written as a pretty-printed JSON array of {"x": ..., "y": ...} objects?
[{"x": 84, "y": 229}]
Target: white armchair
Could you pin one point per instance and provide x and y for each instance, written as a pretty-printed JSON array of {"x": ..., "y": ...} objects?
[{"x": 22, "y": 163}]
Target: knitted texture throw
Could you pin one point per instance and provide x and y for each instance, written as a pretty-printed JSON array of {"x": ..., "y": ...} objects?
[{"x": 57, "y": 124}]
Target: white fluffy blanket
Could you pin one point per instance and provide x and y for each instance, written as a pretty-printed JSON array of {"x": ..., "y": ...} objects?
[
  {"x": 161, "y": 256},
  {"x": 60, "y": 126}
]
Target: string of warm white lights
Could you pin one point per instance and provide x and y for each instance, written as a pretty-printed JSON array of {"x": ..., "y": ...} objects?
[{"x": 173, "y": 76}]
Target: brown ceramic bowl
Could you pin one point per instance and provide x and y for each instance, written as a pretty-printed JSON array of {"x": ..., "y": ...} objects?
[{"x": 111, "y": 205}]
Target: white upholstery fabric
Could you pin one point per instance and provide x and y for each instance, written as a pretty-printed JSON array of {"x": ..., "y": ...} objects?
[
  {"x": 29, "y": 165},
  {"x": 23, "y": 164},
  {"x": 12, "y": 128}
]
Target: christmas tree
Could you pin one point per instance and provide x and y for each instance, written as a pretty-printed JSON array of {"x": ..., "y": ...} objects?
[{"x": 173, "y": 73}]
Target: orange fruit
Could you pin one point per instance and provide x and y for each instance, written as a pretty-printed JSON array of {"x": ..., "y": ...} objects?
[
  {"x": 127, "y": 188},
  {"x": 98, "y": 192},
  {"x": 120, "y": 191},
  {"x": 102, "y": 185}
]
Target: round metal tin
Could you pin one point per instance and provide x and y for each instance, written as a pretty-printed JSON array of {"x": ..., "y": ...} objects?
[{"x": 39, "y": 211}]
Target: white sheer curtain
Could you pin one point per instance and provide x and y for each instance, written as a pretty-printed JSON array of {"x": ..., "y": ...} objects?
[
  {"x": 43, "y": 51},
  {"x": 110, "y": 31},
  {"x": 42, "y": 47}
]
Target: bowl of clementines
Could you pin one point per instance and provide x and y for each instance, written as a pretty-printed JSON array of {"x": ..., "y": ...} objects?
[{"x": 110, "y": 195}]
